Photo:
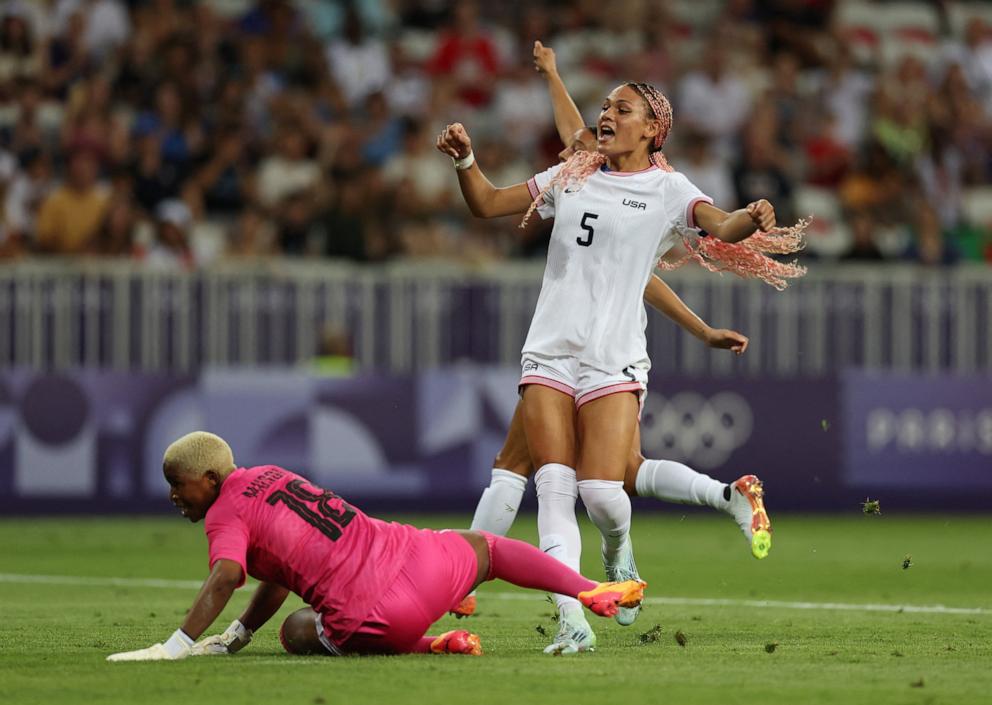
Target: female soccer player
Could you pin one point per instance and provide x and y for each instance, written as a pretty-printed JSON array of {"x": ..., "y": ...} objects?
[
  {"x": 662, "y": 479},
  {"x": 617, "y": 211},
  {"x": 372, "y": 586}
]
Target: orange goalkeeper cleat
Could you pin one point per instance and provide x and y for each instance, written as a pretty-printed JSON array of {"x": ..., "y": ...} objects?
[
  {"x": 457, "y": 642},
  {"x": 465, "y": 608},
  {"x": 606, "y": 599}
]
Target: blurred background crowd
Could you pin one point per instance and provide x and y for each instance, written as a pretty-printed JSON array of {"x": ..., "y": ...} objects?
[{"x": 181, "y": 133}]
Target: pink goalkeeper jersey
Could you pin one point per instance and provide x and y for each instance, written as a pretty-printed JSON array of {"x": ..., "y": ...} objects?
[{"x": 281, "y": 529}]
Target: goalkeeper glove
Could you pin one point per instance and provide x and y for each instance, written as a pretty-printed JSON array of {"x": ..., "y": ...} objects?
[
  {"x": 177, "y": 647},
  {"x": 235, "y": 637}
]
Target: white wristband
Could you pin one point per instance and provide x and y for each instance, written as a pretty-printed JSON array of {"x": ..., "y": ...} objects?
[
  {"x": 238, "y": 631},
  {"x": 177, "y": 643},
  {"x": 465, "y": 162}
]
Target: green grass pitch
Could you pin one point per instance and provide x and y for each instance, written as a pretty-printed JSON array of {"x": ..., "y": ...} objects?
[{"x": 55, "y": 635}]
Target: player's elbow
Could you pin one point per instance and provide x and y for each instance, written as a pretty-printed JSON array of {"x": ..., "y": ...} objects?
[
  {"x": 226, "y": 575},
  {"x": 485, "y": 210}
]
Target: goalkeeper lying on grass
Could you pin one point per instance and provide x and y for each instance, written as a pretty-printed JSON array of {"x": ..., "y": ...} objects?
[{"x": 373, "y": 587}]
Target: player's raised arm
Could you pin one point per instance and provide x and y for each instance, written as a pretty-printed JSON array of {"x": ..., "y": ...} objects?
[
  {"x": 733, "y": 227},
  {"x": 223, "y": 580},
  {"x": 662, "y": 298},
  {"x": 568, "y": 119},
  {"x": 483, "y": 199}
]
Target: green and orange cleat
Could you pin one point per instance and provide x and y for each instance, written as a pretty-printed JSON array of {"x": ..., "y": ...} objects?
[
  {"x": 748, "y": 509},
  {"x": 606, "y": 599},
  {"x": 458, "y": 641},
  {"x": 465, "y": 608}
]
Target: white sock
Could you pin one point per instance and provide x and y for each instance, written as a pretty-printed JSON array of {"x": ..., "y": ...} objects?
[
  {"x": 674, "y": 482},
  {"x": 557, "y": 525},
  {"x": 609, "y": 508},
  {"x": 499, "y": 502}
]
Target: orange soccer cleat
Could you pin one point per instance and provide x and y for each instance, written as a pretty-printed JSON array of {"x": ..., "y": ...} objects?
[
  {"x": 465, "y": 608},
  {"x": 606, "y": 599},
  {"x": 457, "y": 642},
  {"x": 748, "y": 509}
]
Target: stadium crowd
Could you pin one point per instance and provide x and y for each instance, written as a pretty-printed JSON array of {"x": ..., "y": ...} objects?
[{"x": 178, "y": 133}]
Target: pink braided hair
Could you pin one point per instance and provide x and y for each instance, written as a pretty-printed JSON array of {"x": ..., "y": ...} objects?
[{"x": 747, "y": 258}]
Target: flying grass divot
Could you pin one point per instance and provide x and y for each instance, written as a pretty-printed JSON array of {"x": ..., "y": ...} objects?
[
  {"x": 651, "y": 635},
  {"x": 871, "y": 506}
]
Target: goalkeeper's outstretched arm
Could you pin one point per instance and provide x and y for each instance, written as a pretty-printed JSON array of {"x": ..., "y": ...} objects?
[{"x": 213, "y": 597}]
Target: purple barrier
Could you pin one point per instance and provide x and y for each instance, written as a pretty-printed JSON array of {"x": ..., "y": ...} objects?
[{"x": 93, "y": 441}]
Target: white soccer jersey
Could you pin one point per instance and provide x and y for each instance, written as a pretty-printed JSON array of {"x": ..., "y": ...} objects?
[{"x": 607, "y": 238}]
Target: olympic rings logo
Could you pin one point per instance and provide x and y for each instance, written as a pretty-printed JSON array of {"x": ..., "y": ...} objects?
[{"x": 692, "y": 428}]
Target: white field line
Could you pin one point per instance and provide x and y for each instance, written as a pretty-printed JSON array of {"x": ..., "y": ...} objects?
[{"x": 81, "y": 581}]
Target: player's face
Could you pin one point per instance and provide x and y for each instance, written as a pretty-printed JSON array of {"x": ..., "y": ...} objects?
[
  {"x": 192, "y": 494},
  {"x": 582, "y": 141},
  {"x": 625, "y": 124}
]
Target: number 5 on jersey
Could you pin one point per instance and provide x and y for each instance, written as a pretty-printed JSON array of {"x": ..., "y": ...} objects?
[{"x": 586, "y": 240}]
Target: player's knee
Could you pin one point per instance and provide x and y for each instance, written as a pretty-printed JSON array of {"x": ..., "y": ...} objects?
[
  {"x": 514, "y": 458},
  {"x": 298, "y": 634},
  {"x": 634, "y": 462},
  {"x": 519, "y": 465}
]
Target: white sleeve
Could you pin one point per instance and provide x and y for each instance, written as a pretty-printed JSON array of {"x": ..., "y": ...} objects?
[
  {"x": 684, "y": 196},
  {"x": 546, "y": 206}
]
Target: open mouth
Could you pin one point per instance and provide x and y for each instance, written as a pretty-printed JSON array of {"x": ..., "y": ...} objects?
[{"x": 605, "y": 133}]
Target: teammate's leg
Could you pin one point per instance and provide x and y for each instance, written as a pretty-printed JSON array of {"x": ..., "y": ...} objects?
[
  {"x": 606, "y": 427},
  {"x": 500, "y": 502},
  {"x": 671, "y": 481}
]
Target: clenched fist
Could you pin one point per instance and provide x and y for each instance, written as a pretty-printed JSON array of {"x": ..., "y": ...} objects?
[
  {"x": 762, "y": 213},
  {"x": 454, "y": 141}
]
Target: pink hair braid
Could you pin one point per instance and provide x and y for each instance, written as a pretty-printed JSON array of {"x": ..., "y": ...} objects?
[
  {"x": 661, "y": 109},
  {"x": 749, "y": 257},
  {"x": 579, "y": 167}
]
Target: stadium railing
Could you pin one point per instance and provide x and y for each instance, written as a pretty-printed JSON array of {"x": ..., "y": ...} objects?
[{"x": 400, "y": 318}]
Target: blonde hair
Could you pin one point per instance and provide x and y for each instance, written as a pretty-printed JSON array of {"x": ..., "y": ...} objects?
[{"x": 197, "y": 452}]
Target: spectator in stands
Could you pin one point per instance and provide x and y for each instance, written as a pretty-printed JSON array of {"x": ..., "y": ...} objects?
[
  {"x": 225, "y": 183},
  {"x": 27, "y": 133},
  {"x": 71, "y": 216},
  {"x": 252, "y": 235},
  {"x": 154, "y": 179},
  {"x": 711, "y": 174},
  {"x": 828, "y": 158},
  {"x": 67, "y": 57},
  {"x": 844, "y": 91},
  {"x": 21, "y": 55},
  {"x": 863, "y": 247},
  {"x": 193, "y": 103},
  {"x": 975, "y": 56},
  {"x": 344, "y": 228},
  {"x": 107, "y": 25},
  {"x": 171, "y": 250},
  {"x": 382, "y": 132},
  {"x": 288, "y": 172},
  {"x": 765, "y": 165},
  {"x": 117, "y": 233},
  {"x": 467, "y": 56},
  {"x": 419, "y": 183},
  {"x": 28, "y": 189},
  {"x": 715, "y": 101},
  {"x": 358, "y": 63}
]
